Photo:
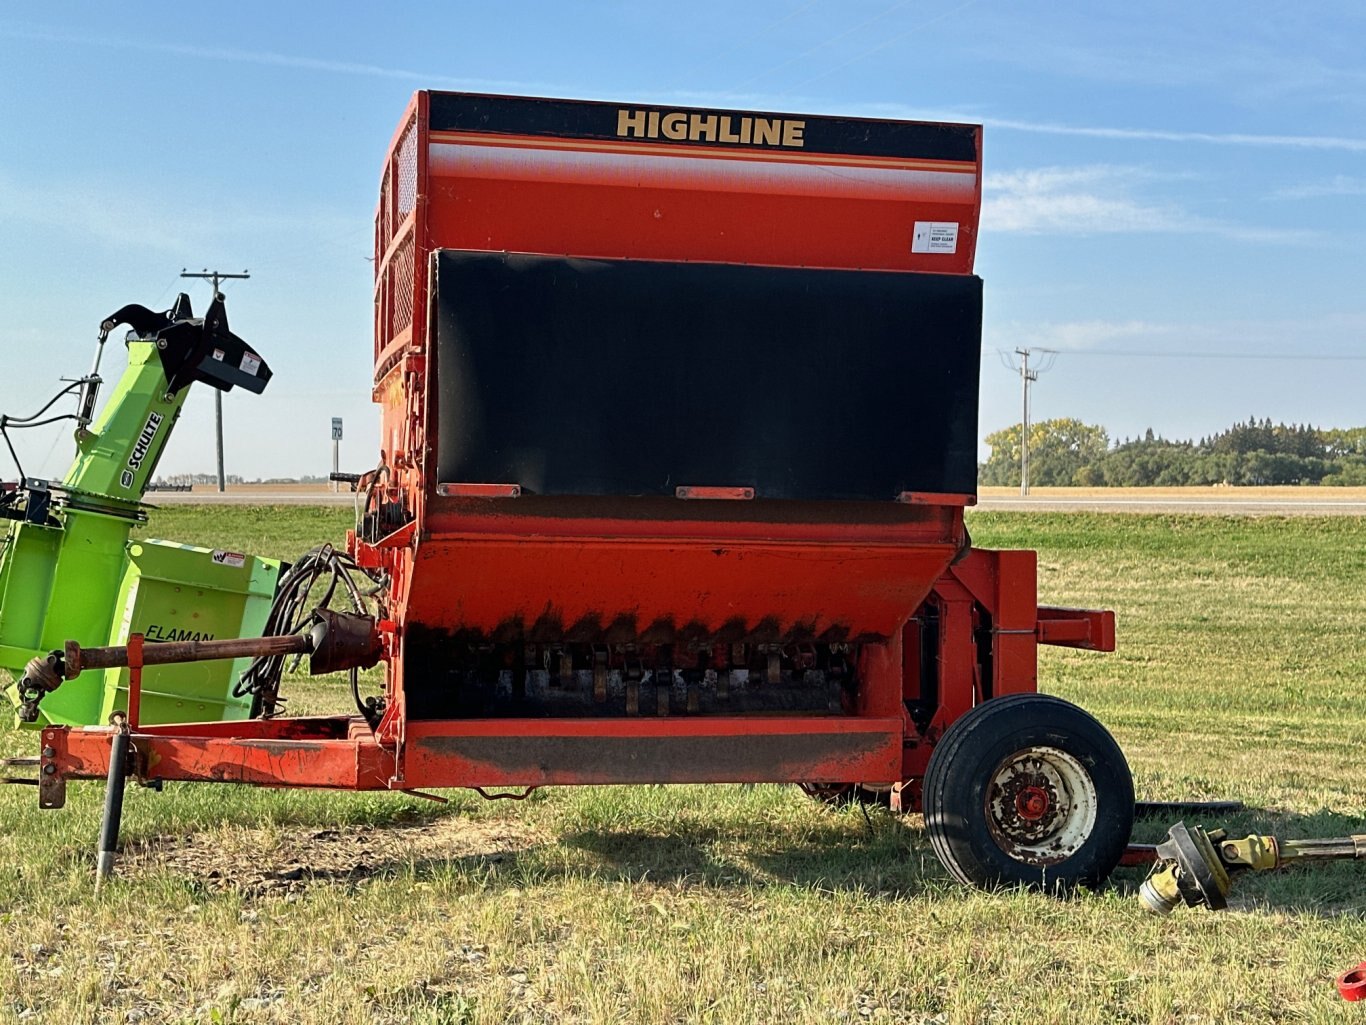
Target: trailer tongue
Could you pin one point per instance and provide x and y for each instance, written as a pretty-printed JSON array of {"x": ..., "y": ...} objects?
[{"x": 679, "y": 421}]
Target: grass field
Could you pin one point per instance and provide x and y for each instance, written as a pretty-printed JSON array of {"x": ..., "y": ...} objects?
[{"x": 1239, "y": 675}]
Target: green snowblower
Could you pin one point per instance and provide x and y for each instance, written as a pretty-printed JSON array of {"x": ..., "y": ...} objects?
[{"x": 69, "y": 567}]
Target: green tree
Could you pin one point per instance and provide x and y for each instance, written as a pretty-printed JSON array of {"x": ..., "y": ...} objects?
[
  {"x": 1348, "y": 471},
  {"x": 1061, "y": 452},
  {"x": 1339, "y": 443}
]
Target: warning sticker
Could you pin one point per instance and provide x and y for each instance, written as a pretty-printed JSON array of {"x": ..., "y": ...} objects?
[
  {"x": 235, "y": 559},
  {"x": 252, "y": 362},
  {"x": 935, "y": 237},
  {"x": 219, "y": 355}
]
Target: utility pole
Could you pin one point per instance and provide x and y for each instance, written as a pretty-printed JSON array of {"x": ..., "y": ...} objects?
[
  {"x": 1028, "y": 377},
  {"x": 216, "y": 277}
]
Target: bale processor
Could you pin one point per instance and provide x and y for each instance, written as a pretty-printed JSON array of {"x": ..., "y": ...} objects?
[{"x": 679, "y": 426}]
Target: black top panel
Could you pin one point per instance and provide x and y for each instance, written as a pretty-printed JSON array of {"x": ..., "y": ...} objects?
[
  {"x": 696, "y": 126},
  {"x": 632, "y": 377}
]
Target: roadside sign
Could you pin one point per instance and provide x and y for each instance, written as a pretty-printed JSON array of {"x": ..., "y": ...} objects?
[{"x": 336, "y": 428}]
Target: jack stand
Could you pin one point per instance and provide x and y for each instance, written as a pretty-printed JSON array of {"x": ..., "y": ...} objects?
[{"x": 113, "y": 802}]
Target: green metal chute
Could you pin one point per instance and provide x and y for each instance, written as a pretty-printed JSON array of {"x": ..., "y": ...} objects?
[{"x": 69, "y": 568}]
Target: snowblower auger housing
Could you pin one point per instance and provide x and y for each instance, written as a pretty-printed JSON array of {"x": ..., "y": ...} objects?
[{"x": 69, "y": 568}]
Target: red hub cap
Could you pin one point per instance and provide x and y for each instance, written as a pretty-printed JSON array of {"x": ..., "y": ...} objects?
[{"x": 1031, "y": 803}]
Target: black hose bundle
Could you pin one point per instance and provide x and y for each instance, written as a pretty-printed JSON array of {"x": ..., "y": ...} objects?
[{"x": 321, "y": 569}]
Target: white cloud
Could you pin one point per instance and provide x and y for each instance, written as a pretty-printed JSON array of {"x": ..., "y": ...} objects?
[
  {"x": 1338, "y": 185},
  {"x": 1100, "y": 199},
  {"x": 1317, "y": 142},
  {"x": 268, "y": 58},
  {"x": 1071, "y": 200},
  {"x": 1349, "y": 144},
  {"x": 1328, "y": 337},
  {"x": 94, "y": 211},
  {"x": 1074, "y": 335}
]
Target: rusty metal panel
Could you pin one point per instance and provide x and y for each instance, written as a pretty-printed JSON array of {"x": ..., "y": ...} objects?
[{"x": 532, "y": 753}]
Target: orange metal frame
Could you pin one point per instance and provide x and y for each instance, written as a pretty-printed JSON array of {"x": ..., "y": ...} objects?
[
  {"x": 937, "y": 626},
  {"x": 986, "y": 615}
]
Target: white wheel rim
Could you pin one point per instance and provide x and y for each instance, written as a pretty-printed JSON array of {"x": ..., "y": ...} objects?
[{"x": 1041, "y": 805}]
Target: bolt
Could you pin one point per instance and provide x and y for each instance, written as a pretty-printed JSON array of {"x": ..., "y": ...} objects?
[
  {"x": 49, "y": 769},
  {"x": 49, "y": 752}
]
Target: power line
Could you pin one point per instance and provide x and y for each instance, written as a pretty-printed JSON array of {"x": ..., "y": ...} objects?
[{"x": 1140, "y": 354}]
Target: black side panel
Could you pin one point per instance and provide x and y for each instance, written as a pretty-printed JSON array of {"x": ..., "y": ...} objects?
[{"x": 627, "y": 377}]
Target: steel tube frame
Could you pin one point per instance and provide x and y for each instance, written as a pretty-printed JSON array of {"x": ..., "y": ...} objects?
[{"x": 988, "y": 632}]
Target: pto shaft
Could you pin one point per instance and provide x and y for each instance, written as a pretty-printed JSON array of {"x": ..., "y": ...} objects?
[
  {"x": 1338, "y": 848},
  {"x": 333, "y": 640},
  {"x": 1196, "y": 866},
  {"x": 78, "y": 659}
]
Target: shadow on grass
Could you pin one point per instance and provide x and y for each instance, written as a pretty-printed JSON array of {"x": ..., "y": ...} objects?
[
  {"x": 886, "y": 856},
  {"x": 840, "y": 851}
]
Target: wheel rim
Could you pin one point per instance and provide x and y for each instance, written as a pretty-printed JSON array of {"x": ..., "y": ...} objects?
[{"x": 1041, "y": 805}]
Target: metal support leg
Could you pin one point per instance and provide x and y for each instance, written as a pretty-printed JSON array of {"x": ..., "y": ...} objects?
[{"x": 113, "y": 807}]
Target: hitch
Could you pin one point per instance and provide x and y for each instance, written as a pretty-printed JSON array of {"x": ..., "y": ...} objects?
[{"x": 1196, "y": 866}]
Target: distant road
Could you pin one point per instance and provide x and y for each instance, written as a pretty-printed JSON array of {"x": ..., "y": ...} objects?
[
  {"x": 271, "y": 494},
  {"x": 1270, "y": 501},
  {"x": 1274, "y": 501}
]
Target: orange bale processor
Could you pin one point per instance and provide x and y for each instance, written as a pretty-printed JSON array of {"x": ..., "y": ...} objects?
[{"x": 679, "y": 426}]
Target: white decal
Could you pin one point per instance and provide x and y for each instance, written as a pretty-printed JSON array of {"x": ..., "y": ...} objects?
[
  {"x": 235, "y": 559},
  {"x": 250, "y": 363},
  {"x": 935, "y": 237},
  {"x": 141, "y": 447}
]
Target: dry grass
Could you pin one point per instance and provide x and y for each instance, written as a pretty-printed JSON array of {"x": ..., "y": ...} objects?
[{"x": 1238, "y": 676}]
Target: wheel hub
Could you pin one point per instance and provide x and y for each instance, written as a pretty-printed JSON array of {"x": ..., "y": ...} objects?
[
  {"x": 1041, "y": 805},
  {"x": 1032, "y": 803}
]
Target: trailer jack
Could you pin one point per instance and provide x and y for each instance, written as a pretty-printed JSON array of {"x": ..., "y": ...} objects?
[{"x": 1196, "y": 866}]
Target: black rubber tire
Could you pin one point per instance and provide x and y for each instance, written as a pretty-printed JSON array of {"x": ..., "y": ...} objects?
[{"x": 972, "y": 751}]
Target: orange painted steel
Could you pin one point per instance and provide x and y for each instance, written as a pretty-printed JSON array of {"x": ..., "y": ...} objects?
[
  {"x": 931, "y": 626},
  {"x": 479, "y": 571}
]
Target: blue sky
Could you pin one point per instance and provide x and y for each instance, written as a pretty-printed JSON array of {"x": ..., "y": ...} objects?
[{"x": 1175, "y": 193}]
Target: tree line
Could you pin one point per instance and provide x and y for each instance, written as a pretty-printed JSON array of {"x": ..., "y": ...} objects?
[{"x": 1068, "y": 452}]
